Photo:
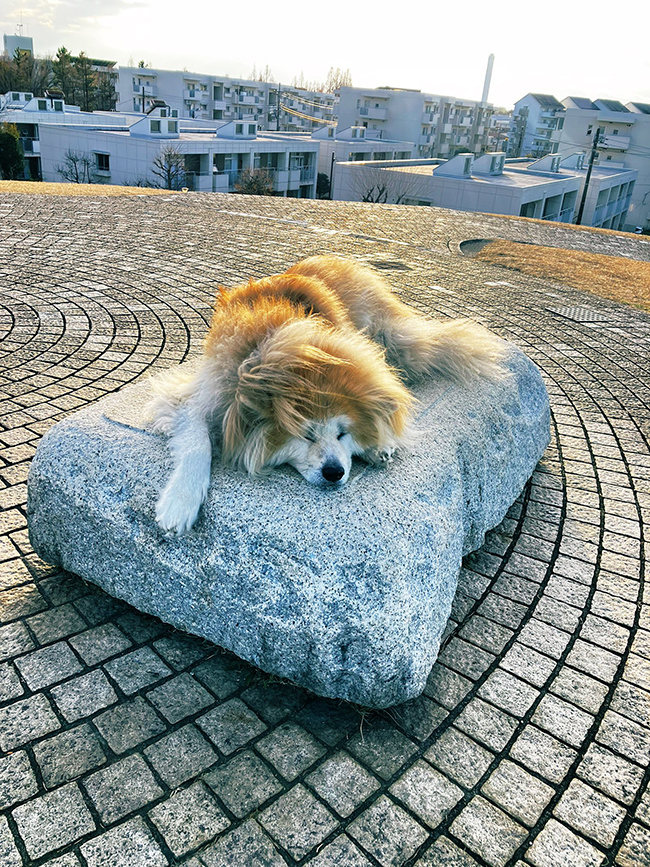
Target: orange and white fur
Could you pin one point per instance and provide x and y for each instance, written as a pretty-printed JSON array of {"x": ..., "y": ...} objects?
[{"x": 307, "y": 368}]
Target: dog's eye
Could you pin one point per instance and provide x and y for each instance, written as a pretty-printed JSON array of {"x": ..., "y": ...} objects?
[
  {"x": 342, "y": 434},
  {"x": 309, "y": 438}
]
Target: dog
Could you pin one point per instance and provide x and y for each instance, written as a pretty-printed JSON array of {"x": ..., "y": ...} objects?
[{"x": 307, "y": 368}]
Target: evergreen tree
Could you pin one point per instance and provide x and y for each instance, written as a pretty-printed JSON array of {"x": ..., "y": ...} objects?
[
  {"x": 64, "y": 74},
  {"x": 11, "y": 152}
]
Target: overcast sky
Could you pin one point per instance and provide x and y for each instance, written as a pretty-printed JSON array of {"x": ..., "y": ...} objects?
[{"x": 568, "y": 48}]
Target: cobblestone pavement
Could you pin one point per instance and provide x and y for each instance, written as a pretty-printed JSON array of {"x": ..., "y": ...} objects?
[{"x": 126, "y": 744}]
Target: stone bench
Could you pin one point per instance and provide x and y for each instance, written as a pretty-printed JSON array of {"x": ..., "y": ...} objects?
[{"x": 346, "y": 592}]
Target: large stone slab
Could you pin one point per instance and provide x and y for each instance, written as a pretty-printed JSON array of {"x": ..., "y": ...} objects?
[{"x": 346, "y": 592}]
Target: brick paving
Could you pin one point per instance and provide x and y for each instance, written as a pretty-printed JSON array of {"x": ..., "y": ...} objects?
[{"x": 123, "y": 742}]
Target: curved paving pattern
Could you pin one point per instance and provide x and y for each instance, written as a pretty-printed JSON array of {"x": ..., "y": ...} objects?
[{"x": 123, "y": 742}]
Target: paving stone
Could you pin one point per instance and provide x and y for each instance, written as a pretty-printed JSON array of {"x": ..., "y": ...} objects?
[
  {"x": 444, "y": 853},
  {"x": 180, "y": 755},
  {"x": 10, "y": 686},
  {"x": 487, "y": 724},
  {"x": 446, "y": 687},
  {"x": 128, "y": 845},
  {"x": 222, "y": 675},
  {"x": 502, "y": 610},
  {"x": 487, "y": 831},
  {"x": 635, "y": 851},
  {"x": 343, "y": 783},
  {"x": 69, "y": 860},
  {"x": 84, "y": 695},
  {"x": 544, "y": 638},
  {"x": 17, "y": 780},
  {"x": 643, "y": 808},
  {"x": 383, "y": 749},
  {"x": 341, "y": 852},
  {"x": 25, "y": 720},
  {"x": 53, "y": 820},
  {"x": 122, "y": 788},
  {"x": 459, "y": 757},
  {"x": 590, "y": 812},
  {"x": 486, "y": 633},
  {"x": 9, "y": 855},
  {"x": 508, "y": 693},
  {"x": 594, "y": 660},
  {"x": 579, "y": 689},
  {"x": 129, "y": 724},
  {"x": 140, "y": 627},
  {"x": 179, "y": 698},
  {"x": 188, "y": 819},
  {"x": 137, "y": 669},
  {"x": 56, "y": 623},
  {"x": 179, "y": 650},
  {"x": 632, "y": 702},
  {"x": 543, "y": 754},
  {"x": 466, "y": 658},
  {"x": 528, "y": 664},
  {"x": 243, "y": 783},
  {"x": 247, "y": 844},
  {"x": 68, "y": 755},
  {"x": 518, "y": 792},
  {"x": 427, "y": 793},
  {"x": 420, "y": 717},
  {"x": 387, "y": 833},
  {"x": 557, "y": 614},
  {"x": 275, "y": 702},
  {"x": 328, "y": 721},
  {"x": 556, "y": 844},
  {"x": 99, "y": 644},
  {"x": 47, "y": 666},
  {"x": 625, "y": 737},
  {"x": 231, "y": 725},
  {"x": 298, "y": 822},
  {"x": 637, "y": 670},
  {"x": 610, "y": 773},
  {"x": 290, "y": 749},
  {"x": 14, "y": 639},
  {"x": 20, "y": 602},
  {"x": 562, "y": 720}
]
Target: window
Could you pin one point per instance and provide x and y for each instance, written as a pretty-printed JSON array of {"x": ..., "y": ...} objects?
[
  {"x": 28, "y": 96},
  {"x": 155, "y": 126},
  {"x": 217, "y": 114},
  {"x": 614, "y": 132},
  {"x": 172, "y": 126},
  {"x": 42, "y": 105},
  {"x": 252, "y": 129},
  {"x": 239, "y": 129},
  {"x": 58, "y": 105},
  {"x": 163, "y": 112},
  {"x": 15, "y": 97},
  {"x": 103, "y": 162},
  {"x": 174, "y": 112}
]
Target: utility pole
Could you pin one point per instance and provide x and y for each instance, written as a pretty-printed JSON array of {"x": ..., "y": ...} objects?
[
  {"x": 277, "y": 109},
  {"x": 592, "y": 157},
  {"x": 143, "y": 99}
]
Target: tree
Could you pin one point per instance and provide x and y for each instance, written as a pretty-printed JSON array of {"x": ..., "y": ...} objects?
[
  {"x": 337, "y": 78},
  {"x": 24, "y": 72},
  {"x": 11, "y": 153},
  {"x": 64, "y": 75},
  {"x": 87, "y": 80},
  {"x": 380, "y": 185},
  {"x": 322, "y": 186},
  {"x": 78, "y": 168},
  {"x": 255, "y": 182},
  {"x": 168, "y": 168}
]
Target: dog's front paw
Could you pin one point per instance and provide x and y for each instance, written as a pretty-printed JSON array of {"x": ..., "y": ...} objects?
[
  {"x": 379, "y": 457},
  {"x": 177, "y": 509}
]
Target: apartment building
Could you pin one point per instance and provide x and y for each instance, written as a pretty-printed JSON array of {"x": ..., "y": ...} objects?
[
  {"x": 440, "y": 126},
  {"x": 464, "y": 183},
  {"x": 29, "y": 112},
  {"x": 536, "y": 117},
  {"x": 358, "y": 144},
  {"x": 214, "y": 158},
  {"x": 213, "y": 97}
]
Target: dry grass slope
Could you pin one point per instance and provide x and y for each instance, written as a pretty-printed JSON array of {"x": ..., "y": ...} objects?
[
  {"x": 46, "y": 189},
  {"x": 612, "y": 277}
]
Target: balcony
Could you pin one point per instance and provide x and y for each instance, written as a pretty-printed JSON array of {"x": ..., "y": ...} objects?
[
  {"x": 615, "y": 142},
  {"x": 566, "y": 216},
  {"x": 373, "y": 113},
  {"x": 190, "y": 93},
  {"x": 31, "y": 146},
  {"x": 147, "y": 89},
  {"x": 425, "y": 139},
  {"x": 245, "y": 99}
]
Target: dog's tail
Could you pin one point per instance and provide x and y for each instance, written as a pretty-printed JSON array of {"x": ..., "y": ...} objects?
[
  {"x": 459, "y": 349},
  {"x": 170, "y": 389}
]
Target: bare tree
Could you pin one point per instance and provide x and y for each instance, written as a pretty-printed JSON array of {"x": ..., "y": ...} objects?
[
  {"x": 255, "y": 182},
  {"x": 168, "y": 168},
  {"x": 387, "y": 185},
  {"x": 78, "y": 168}
]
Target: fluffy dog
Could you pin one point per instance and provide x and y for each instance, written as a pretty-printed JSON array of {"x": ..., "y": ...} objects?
[{"x": 306, "y": 368}]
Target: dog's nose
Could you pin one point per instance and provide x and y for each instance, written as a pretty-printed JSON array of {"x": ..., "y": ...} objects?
[{"x": 332, "y": 472}]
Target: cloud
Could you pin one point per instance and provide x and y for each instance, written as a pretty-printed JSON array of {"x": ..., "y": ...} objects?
[{"x": 66, "y": 16}]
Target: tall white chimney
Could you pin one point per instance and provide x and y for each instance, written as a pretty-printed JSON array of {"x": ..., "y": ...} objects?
[{"x": 488, "y": 77}]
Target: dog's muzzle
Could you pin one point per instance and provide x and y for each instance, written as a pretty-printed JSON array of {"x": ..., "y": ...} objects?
[{"x": 332, "y": 471}]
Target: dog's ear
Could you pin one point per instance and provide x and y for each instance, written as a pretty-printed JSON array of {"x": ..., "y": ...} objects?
[{"x": 245, "y": 437}]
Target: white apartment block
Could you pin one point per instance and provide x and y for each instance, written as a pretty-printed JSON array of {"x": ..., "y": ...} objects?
[
  {"x": 440, "y": 126},
  {"x": 11, "y": 44},
  {"x": 498, "y": 132},
  {"x": 214, "y": 97},
  {"x": 466, "y": 183},
  {"x": 214, "y": 159},
  {"x": 535, "y": 119},
  {"x": 357, "y": 144}
]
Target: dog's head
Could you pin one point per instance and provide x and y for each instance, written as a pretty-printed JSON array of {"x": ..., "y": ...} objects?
[{"x": 313, "y": 396}]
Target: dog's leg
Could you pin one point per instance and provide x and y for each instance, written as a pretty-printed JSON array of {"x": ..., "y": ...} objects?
[{"x": 190, "y": 445}]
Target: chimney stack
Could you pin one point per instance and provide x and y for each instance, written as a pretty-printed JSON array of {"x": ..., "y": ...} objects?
[{"x": 488, "y": 77}]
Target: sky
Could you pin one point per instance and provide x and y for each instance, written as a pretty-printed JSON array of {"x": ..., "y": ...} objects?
[{"x": 568, "y": 49}]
